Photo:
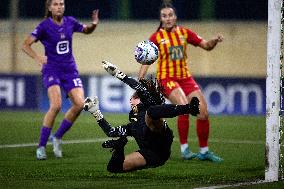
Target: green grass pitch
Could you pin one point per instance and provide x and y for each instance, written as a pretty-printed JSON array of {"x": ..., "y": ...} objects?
[{"x": 240, "y": 140}]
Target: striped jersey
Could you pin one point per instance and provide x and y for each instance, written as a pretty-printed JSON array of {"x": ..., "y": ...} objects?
[{"x": 172, "y": 61}]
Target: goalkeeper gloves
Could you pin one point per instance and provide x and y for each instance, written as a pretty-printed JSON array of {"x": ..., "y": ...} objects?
[
  {"x": 113, "y": 70},
  {"x": 92, "y": 105}
]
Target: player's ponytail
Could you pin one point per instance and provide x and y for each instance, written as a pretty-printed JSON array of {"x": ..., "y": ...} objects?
[{"x": 159, "y": 26}]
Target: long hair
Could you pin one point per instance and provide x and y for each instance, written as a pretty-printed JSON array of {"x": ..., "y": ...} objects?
[
  {"x": 155, "y": 90},
  {"x": 163, "y": 6},
  {"x": 47, "y": 12}
]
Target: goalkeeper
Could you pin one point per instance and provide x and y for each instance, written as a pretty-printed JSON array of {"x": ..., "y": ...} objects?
[{"x": 147, "y": 126}]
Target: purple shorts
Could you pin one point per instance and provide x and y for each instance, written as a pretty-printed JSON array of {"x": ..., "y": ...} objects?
[{"x": 67, "y": 81}]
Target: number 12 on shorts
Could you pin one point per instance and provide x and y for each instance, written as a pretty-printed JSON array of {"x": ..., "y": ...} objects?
[{"x": 77, "y": 82}]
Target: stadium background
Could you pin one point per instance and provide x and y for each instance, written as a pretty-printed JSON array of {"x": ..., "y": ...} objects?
[
  {"x": 232, "y": 78},
  {"x": 236, "y": 68}
]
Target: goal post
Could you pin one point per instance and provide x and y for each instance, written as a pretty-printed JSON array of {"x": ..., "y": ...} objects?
[{"x": 273, "y": 84}]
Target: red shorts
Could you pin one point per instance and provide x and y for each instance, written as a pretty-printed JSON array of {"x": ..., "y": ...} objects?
[{"x": 188, "y": 85}]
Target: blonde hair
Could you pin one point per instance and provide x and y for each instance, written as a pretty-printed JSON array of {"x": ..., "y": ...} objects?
[{"x": 47, "y": 12}]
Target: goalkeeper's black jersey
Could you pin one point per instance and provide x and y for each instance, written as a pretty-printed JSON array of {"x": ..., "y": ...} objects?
[{"x": 147, "y": 139}]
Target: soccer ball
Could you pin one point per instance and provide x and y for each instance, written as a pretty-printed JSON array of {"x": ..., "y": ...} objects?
[{"x": 146, "y": 52}]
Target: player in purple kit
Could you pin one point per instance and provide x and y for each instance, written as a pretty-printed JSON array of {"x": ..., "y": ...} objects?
[{"x": 59, "y": 69}]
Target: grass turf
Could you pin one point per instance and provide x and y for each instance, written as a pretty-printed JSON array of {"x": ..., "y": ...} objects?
[{"x": 240, "y": 140}]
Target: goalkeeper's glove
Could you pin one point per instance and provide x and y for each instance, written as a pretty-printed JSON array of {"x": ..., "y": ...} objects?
[
  {"x": 113, "y": 70},
  {"x": 92, "y": 105},
  {"x": 194, "y": 106}
]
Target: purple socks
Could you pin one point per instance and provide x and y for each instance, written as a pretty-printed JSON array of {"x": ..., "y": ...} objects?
[
  {"x": 44, "y": 134},
  {"x": 64, "y": 127}
]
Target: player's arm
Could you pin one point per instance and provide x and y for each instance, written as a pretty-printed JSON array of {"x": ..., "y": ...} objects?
[
  {"x": 143, "y": 93},
  {"x": 26, "y": 47},
  {"x": 143, "y": 71},
  {"x": 92, "y": 105},
  {"x": 113, "y": 70},
  {"x": 210, "y": 44},
  {"x": 95, "y": 20},
  {"x": 113, "y": 131}
]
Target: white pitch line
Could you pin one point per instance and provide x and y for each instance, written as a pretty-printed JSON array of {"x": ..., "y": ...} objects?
[
  {"x": 104, "y": 139},
  {"x": 49, "y": 143},
  {"x": 232, "y": 141},
  {"x": 234, "y": 185}
]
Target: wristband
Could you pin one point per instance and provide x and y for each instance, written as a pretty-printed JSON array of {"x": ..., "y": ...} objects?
[
  {"x": 98, "y": 115},
  {"x": 120, "y": 75}
]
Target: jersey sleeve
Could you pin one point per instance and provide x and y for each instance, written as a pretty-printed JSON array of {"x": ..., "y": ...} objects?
[
  {"x": 123, "y": 130},
  {"x": 110, "y": 131},
  {"x": 77, "y": 26},
  {"x": 193, "y": 38},
  {"x": 38, "y": 32},
  {"x": 153, "y": 38}
]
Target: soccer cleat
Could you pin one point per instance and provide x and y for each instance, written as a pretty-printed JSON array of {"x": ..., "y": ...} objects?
[
  {"x": 115, "y": 144},
  {"x": 56, "y": 146},
  {"x": 40, "y": 153},
  {"x": 210, "y": 156},
  {"x": 187, "y": 154}
]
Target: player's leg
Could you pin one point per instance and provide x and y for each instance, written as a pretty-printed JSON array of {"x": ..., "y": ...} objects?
[
  {"x": 155, "y": 114},
  {"x": 172, "y": 110},
  {"x": 202, "y": 129},
  {"x": 133, "y": 161},
  {"x": 116, "y": 163},
  {"x": 177, "y": 96},
  {"x": 54, "y": 95},
  {"x": 72, "y": 85},
  {"x": 187, "y": 85},
  {"x": 76, "y": 96},
  {"x": 120, "y": 163},
  {"x": 202, "y": 123}
]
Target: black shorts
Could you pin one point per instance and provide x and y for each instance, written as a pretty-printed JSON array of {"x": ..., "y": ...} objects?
[{"x": 154, "y": 159}]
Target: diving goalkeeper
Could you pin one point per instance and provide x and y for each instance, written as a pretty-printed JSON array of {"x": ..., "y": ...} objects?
[{"x": 147, "y": 126}]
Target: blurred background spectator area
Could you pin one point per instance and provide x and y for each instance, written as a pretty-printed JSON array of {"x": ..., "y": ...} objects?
[
  {"x": 124, "y": 23},
  {"x": 147, "y": 9}
]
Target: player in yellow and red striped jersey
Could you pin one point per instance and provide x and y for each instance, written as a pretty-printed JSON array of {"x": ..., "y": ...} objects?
[{"x": 179, "y": 85}]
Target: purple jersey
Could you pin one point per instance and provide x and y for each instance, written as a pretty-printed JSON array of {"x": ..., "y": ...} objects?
[{"x": 57, "y": 41}]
